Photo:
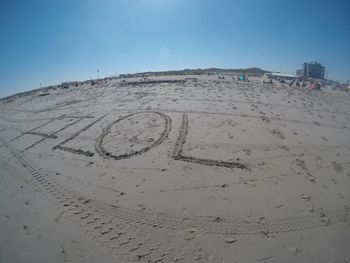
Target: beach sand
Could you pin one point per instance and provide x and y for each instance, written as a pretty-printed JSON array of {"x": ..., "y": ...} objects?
[{"x": 176, "y": 168}]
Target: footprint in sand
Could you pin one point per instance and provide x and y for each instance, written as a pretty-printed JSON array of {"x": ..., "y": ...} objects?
[
  {"x": 316, "y": 123},
  {"x": 337, "y": 167},
  {"x": 324, "y": 138},
  {"x": 299, "y": 167},
  {"x": 283, "y": 147},
  {"x": 230, "y": 135},
  {"x": 277, "y": 133},
  {"x": 265, "y": 119}
]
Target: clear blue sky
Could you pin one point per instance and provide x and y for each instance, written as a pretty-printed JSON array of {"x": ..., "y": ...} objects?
[{"x": 47, "y": 42}]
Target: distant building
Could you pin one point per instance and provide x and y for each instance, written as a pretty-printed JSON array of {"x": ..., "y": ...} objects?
[
  {"x": 313, "y": 70},
  {"x": 299, "y": 72}
]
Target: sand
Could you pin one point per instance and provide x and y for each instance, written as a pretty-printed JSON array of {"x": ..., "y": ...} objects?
[{"x": 176, "y": 168}]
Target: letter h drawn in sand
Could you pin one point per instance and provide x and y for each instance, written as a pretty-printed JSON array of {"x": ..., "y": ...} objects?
[{"x": 45, "y": 136}]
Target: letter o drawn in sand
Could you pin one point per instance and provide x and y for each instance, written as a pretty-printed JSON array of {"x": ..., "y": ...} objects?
[{"x": 133, "y": 134}]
